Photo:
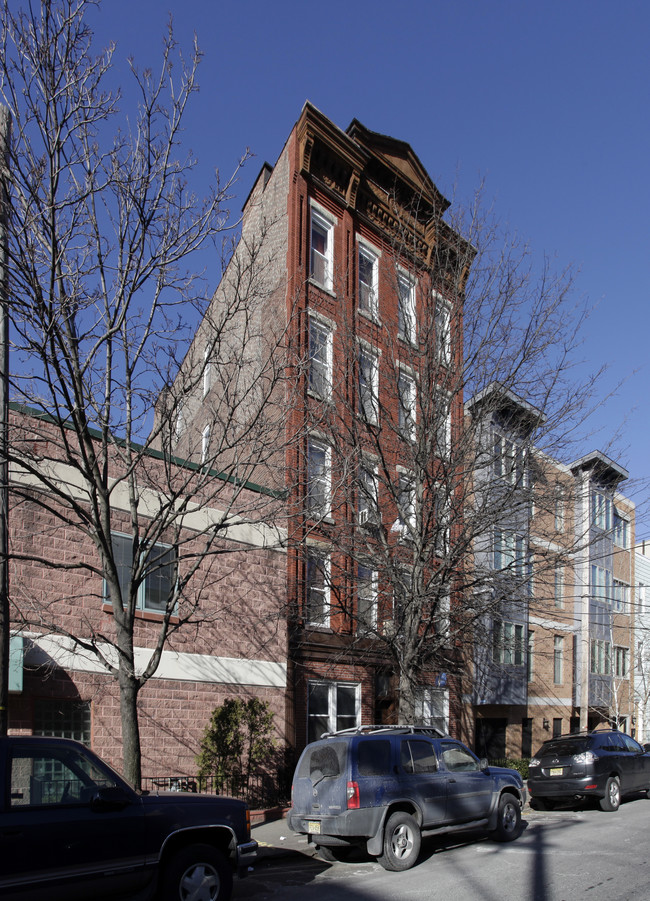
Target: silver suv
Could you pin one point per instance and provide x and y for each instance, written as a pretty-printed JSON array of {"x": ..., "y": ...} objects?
[{"x": 381, "y": 788}]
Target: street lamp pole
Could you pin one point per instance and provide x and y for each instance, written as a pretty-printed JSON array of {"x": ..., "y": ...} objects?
[{"x": 5, "y": 131}]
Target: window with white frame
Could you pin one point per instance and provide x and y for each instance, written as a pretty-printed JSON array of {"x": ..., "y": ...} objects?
[
  {"x": 601, "y": 657},
  {"x": 366, "y": 600},
  {"x": 367, "y": 509},
  {"x": 402, "y": 594},
  {"x": 620, "y": 534},
  {"x": 406, "y": 323},
  {"x": 368, "y": 383},
  {"x": 530, "y": 656},
  {"x": 159, "y": 574},
  {"x": 406, "y": 502},
  {"x": 322, "y": 248},
  {"x": 432, "y": 707},
  {"x": 407, "y": 404},
  {"x": 442, "y": 506},
  {"x": 559, "y": 586},
  {"x": 368, "y": 280},
  {"x": 620, "y": 596},
  {"x": 442, "y": 333},
  {"x": 179, "y": 424},
  {"x": 621, "y": 662},
  {"x": 318, "y": 477},
  {"x": 508, "y": 643},
  {"x": 601, "y": 510},
  {"x": 332, "y": 706},
  {"x": 558, "y": 659},
  {"x": 559, "y": 508},
  {"x": 510, "y": 461},
  {"x": 442, "y": 424},
  {"x": 601, "y": 583},
  {"x": 207, "y": 370},
  {"x": 511, "y": 555},
  {"x": 205, "y": 443},
  {"x": 320, "y": 357},
  {"x": 317, "y": 589}
]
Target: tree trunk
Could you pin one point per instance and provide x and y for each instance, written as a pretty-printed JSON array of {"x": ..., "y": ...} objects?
[
  {"x": 406, "y": 712},
  {"x": 132, "y": 756}
]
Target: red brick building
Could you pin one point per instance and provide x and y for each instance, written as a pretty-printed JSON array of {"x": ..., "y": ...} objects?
[{"x": 364, "y": 280}]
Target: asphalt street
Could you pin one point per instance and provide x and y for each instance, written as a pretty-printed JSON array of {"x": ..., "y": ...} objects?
[{"x": 562, "y": 855}]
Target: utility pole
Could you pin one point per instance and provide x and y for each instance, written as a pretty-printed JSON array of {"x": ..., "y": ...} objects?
[{"x": 5, "y": 131}]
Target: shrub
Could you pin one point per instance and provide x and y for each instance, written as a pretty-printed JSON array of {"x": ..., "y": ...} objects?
[{"x": 236, "y": 740}]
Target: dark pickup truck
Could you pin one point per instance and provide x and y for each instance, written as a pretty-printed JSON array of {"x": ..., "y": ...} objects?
[{"x": 72, "y": 828}]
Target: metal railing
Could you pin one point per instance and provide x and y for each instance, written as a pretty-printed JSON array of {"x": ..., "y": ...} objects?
[{"x": 258, "y": 789}]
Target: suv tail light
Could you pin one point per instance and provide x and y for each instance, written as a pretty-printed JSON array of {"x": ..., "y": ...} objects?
[
  {"x": 585, "y": 757},
  {"x": 353, "y": 796}
]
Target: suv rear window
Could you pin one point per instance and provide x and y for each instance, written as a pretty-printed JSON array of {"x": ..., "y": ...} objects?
[
  {"x": 324, "y": 760},
  {"x": 566, "y": 746},
  {"x": 373, "y": 758}
]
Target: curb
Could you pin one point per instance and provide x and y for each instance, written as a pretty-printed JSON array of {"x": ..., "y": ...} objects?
[{"x": 258, "y": 817}]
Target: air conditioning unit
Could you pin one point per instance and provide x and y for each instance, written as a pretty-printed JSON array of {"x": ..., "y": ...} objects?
[
  {"x": 389, "y": 628},
  {"x": 364, "y": 517}
]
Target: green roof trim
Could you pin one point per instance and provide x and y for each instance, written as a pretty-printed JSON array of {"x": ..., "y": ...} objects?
[{"x": 149, "y": 451}]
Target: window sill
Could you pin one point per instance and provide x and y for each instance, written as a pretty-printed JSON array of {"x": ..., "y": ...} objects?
[
  {"x": 150, "y": 616},
  {"x": 369, "y": 316},
  {"x": 320, "y": 398},
  {"x": 312, "y": 281}
]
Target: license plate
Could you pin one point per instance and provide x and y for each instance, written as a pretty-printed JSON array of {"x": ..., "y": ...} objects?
[
  {"x": 556, "y": 771},
  {"x": 313, "y": 826}
]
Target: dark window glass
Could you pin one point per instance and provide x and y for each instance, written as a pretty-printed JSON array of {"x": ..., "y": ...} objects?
[
  {"x": 374, "y": 758},
  {"x": 419, "y": 757}
]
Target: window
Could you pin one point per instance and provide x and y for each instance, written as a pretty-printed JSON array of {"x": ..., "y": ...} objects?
[
  {"x": 530, "y": 656},
  {"x": 368, "y": 384},
  {"x": 332, "y": 706},
  {"x": 406, "y": 307},
  {"x": 62, "y": 718},
  {"x": 508, "y": 643},
  {"x": 457, "y": 758},
  {"x": 158, "y": 577},
  {"x": 559, "y": 586},
  {"x": 442, "y": 425},
  {"x": 418, "y": 756},
  {"x": 510, "y": 461},
  {"x": 442, "y": 506},
  {"x": 557, "y": 726},
  {"x": 407, "y": 405},
  {"x": 432, "y": 707},
  {"x": 558, "y": 659},
  {"x": 366, "y": 600},
  {"x": 620, "y": 529},
  {"x": 402, "y": 591},
  {"x": 620, "y": 596},
  {"x": 559, "y": 508},
  {"x": 205, "y": 443},
  {"x": 52, "y": 776},
  {"x": 511, "y": 555},
  {"x": 317, "y": 595},
  {"x": 601, "y": 510},
  {"x": 318, "y": 477},
  {"x": 368, "y": 280},
  {"x": 322, "y": 246},
  {"x": 207, "y": 370},
  {"x": 601, "y": 657},
  {"x": 621, "y": 662},
  {"x": 320, "y": 358},
  {"x": 406, "y": 503},
  {"x": 179, "y": 425},
  {"x": 443, "y": 333},
  {"x": 367, "y": 510},
  {"x": 601, "y": 583}
]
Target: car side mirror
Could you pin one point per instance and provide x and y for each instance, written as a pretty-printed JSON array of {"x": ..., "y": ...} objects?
[
  {"x": 109, "y": 798},
  {"x": 646, "y": 746},
  {"x": 485, "y": 766}
]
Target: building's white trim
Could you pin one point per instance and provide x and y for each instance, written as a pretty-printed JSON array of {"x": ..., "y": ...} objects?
[
  {"x": 550, "y": 702},
  {"x": 551, "y": 625},
  {"x": 42, "y": 650},
  {"x": 197, "y": 518}
]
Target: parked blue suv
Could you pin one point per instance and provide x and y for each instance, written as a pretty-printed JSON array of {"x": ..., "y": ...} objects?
[{"x": 381, "y": 787}]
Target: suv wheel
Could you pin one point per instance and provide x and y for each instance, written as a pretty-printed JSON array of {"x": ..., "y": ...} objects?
[
  {"x": 508, "y": 819},
  {"x": 197, "y": 872},
  {"x": 612, "y": 799},
  {"x": 401, "y": 842}
]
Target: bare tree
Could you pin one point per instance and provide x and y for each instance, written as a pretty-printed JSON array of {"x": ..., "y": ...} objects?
[
  {"x": 105, "y": 304},
  {"x": 433, "y": 515}
]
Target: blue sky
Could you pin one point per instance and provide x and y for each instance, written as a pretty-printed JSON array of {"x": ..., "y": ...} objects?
[{"x": 548, "y": 102}]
